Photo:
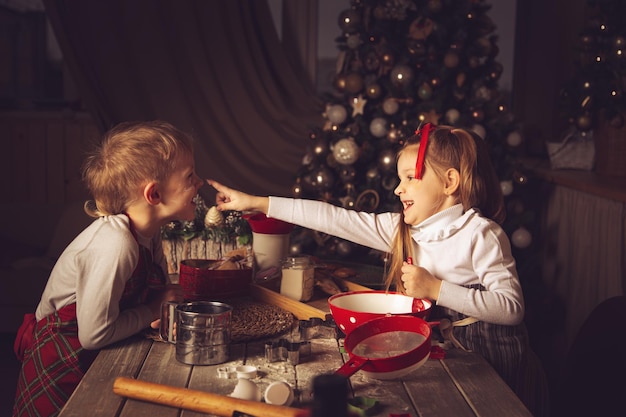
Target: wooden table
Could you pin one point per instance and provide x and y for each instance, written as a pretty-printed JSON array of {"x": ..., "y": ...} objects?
[{"x": 462, "y": 384}]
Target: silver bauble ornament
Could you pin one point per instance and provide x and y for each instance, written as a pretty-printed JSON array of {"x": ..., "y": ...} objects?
[
  {"x": 452, "y": 116},
  {"x": 521, "y": 238},
  {"x": 346, "y": 151},
  {"x": 378, "y": 127},
  {"x": 506, "y": 187},
  {"x": 390, "y": 106},
  {"x": 479, "y": 130},
  {"x": 336, "y": 114},
  {"x": 353, "y": 41},
  {"x": 514, "y": 138},
  {"x": 425, "y": 91},
  {"x": 344, "y": 248}
]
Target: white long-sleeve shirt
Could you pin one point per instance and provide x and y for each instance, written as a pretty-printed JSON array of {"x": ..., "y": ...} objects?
[
  {"x": 459, "y": 248},
  {"x": 92, "y": 272}
]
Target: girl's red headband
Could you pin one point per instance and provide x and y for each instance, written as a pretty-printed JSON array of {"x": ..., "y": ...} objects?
[{"x": 421, "y": 154}]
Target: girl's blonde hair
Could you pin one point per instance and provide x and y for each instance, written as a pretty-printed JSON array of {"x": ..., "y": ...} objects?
[
  {"x": 479, "y": 185},
  {"x": 129, "y": 156}
]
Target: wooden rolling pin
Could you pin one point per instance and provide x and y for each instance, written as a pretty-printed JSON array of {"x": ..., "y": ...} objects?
[{"x": 204, "y": 402}]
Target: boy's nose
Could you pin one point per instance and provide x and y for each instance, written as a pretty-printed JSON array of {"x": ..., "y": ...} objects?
[{"x": 199, "y": 182}]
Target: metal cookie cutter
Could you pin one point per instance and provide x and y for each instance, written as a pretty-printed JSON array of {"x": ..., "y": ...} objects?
[
  {"x": 316, "y": 328},
  {"x": 298, "y": 345},
  {"x": 284, "y": 350}
]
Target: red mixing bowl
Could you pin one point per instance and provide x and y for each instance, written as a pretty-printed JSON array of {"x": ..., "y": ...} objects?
[{"x": 353, "y": 308}]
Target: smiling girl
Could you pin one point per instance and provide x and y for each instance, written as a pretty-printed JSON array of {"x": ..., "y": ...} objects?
[
  {"x": 452, "y": 205},
  {"x": 110, "y": 281}
]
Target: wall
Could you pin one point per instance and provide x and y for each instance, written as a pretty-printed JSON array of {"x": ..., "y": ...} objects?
[
  {"x": 42, "y": 153},
  {"x": 547, "y": 38}
]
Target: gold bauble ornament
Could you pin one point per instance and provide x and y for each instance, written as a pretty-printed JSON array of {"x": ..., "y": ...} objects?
[
  {"x": 584, "y": 122},
  {"x": 401, "y": 75},
  {"x": 340, "y": 82},
  {"x": 354, "y": 83},
  {"x": 374, "y": 90},
  {"x": 213, "y": 218},
  {"x": 451, "y": 59}
]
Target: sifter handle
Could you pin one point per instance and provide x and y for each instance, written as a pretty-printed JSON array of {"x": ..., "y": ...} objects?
[{"x": 351, "y": 366}]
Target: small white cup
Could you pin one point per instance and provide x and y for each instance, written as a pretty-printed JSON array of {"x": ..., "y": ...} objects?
[
  {"x": 246, "y": 371},
  {"x": 279, "y": 393},
  {"x": 247, "y": 390}
]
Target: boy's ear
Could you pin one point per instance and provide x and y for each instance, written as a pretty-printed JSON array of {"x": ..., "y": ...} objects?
[
  {"x": 452, "y": 181},
  {"x": 151, "y": 193}
]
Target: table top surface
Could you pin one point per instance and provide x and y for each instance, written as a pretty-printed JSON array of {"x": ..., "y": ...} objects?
[{"x": 462, "y": 384}]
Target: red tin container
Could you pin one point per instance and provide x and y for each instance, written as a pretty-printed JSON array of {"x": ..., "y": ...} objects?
[{"x": 200, "y": 283}]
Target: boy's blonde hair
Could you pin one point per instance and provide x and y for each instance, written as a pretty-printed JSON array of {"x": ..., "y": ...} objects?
[
  {"x": 479, "y": 185},
  {"x": 130, "y": 155}
]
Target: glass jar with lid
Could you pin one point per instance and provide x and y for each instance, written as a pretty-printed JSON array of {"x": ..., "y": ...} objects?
[{"x": 298, "y": 277}]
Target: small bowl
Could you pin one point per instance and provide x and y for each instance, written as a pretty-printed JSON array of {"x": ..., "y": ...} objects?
[
  {"x": 279, "y": 393},
  {"x": 246, "y": 371},
  {"x": 353, "y": 308}
]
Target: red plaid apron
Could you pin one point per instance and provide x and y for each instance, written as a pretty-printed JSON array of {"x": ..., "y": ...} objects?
[{"x": 53, "y": 360}]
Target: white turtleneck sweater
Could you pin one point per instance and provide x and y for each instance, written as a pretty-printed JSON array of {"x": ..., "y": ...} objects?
[{"x": 459, "y": 248}]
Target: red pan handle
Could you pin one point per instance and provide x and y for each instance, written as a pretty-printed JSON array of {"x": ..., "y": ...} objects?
[{"x": 352, "y": 366}]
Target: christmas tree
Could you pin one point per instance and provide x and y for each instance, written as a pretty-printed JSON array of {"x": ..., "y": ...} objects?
[
  {"x": 597, "y": 88},
  {"x": 402, "y": 63}
]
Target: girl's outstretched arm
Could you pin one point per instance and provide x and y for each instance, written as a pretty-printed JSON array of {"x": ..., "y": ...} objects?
[{"x": 229, "y": 199}]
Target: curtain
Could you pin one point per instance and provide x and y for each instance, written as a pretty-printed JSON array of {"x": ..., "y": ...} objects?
[
  {"x": 300, "y": 34},
  {"x": 584, "y": 253},
  {"x": 215, "y": 69}
]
